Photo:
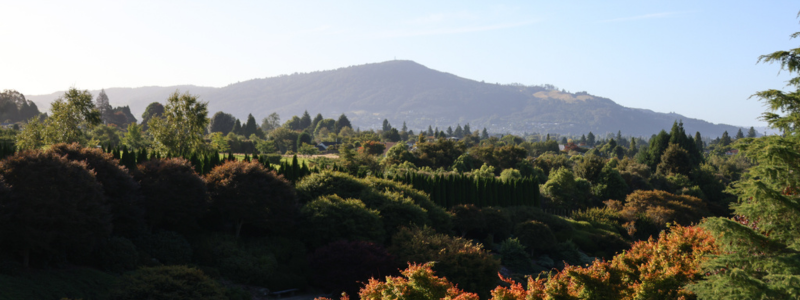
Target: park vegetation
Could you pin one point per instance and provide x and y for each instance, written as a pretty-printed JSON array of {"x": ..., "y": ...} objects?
[{"x": 183, "y": 206}]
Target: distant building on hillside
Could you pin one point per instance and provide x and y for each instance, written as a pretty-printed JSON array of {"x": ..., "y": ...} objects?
[{"x": 324, "y": 146}]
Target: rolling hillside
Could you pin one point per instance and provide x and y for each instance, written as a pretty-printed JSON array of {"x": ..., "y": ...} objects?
[{"x": 407, "y": 91}]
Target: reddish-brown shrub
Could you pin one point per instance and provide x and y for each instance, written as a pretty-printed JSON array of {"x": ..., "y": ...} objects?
[
  {"x": 120, "y": 190},
  {"x": 174, "y": 195},
  {"x": 245, "y": 192}
]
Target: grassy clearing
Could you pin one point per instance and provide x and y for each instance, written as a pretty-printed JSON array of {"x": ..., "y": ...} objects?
[{"x": 77, "y": 283}]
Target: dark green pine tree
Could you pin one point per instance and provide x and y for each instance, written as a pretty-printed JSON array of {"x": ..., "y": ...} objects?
[
  {"x": 658, "y": 144},
  {"x": 752, "y": 132},
  {"x": 484, "y": 134},
  {"x": 305, "y": 120},
  {"x": 739, "y": 134},
  {"x": 590, "y": 141},
  {"x": 316, "y": 121},
  {"x": 459, "y": 132},
  {"x": 250, "y": 127},
  {"x": 467, "y": 129},
  {"x": 237, "y": 127},
  {"x": 342, "y": 122},
  {"x": 698, "y": 140},
  {"x": 386, "y": 126},
  {"x": 449, "y": 131},
  {"x": 760, "y": 248},
  {"x": 430, "y": 131},
  {"x": 726, "y": 139}
]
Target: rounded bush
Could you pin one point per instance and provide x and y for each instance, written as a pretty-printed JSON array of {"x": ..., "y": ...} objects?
[
  {"x": 331, "y": 218},
  {"x": 330, "y": 183},
  {"x": 169, "y": 248},
  {"x": 438, "y": 217},
  {"x": 535, "y": 235},
  {"x": 53, "y": 206},
  {"x": 341, "y": 266},
  {"x": 118, "y": 254},
  {"x": 168, "y": 282},
  {"x": 120, "y": 190},
  {"x": 174, "y": 195},
  {"x": 248, "y": 268},
  {"x": 467, "y": 219},
  {"x": 460, "y": 260},
  {"x": 401, "y": 212},
  {"x": 498, "y": 223},
  {"x": 245, "y": 192},
  {"x": 514, "y": 256}
]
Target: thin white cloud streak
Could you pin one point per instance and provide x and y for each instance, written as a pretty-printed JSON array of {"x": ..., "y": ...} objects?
[
  {"x": 644, "y": 17},
  {"x": 456, "y": 30},
  {"x": 444, "y": 17}
]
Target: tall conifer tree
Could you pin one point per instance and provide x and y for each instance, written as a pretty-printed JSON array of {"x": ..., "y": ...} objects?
[{"x": 760, "y": 257}]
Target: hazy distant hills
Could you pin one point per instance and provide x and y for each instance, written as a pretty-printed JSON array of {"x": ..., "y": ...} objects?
[{"x": 407, "y": 91}]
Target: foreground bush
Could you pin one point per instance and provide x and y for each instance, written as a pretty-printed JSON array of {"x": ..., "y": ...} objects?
[
  {"x": 174, "y": 195},
  {"x": 167, "y": 247},
  {"x": 343, "y": 266},
  {"x": 331, "y": 218},
  {"x": 55, "y": 206},
  {"x": 662, "y": 208},
  {"x": 418, "y": 282},
  {"x": 275, "y": 263},
  {"x": 438, "y": 217},
  {"x": 243, "y": 192},
  {"x": 117, "y": 255},
  {"x": 168, "y": 282},
  {"x": 535, "y": 236},
  {"x": 120, "y": 190},
  {"x": 653, "y": 269},
  {"x": 463, "y": 262},
  {"x": 330, "y": 183}
]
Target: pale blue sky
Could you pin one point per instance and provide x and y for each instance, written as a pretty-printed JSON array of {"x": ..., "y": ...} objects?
[{"x": 696, "y": 58}]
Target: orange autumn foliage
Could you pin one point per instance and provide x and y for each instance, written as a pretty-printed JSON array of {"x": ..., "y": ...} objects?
[
  {"x": 417, "y": 282},
  {"x": 653, "y": 269}
]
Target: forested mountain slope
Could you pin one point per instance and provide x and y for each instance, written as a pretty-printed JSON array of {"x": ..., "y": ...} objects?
[{"x": 406, "y": 91}]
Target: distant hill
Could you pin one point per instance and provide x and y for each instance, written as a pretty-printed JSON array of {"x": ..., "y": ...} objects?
[{"x": 407, "y": 91}]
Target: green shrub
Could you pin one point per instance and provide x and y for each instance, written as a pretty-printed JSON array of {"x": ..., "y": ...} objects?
[
  {"x": 498, "y": 223},
  {"x": 401, "y": 212},
  {"x": 330, "y": 183},
  {"x": 274, "y": 158},
  {"x": 514, "y": 256},
  {"x": 569, "y": 253},
  {"x": 558, "y": 225},
  {"x": 536, "y": 236},
  {"x": 117, "y": 255},
  {"x": 244, "y": 267},
  {"x": 331, "y": 218},
  {"x": 467, "y": 219},
  {"x": 438, "y": 217},
  {"x": 169, "y": 248},
  {"x": 462, "y": 261},
  {"x": 276, "y": 263},
  {"x": 168, "y": 282},
  {"x": 605, "y": 218}
]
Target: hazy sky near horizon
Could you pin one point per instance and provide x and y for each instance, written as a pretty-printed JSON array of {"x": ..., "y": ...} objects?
[{"x": 696, "y": 58}]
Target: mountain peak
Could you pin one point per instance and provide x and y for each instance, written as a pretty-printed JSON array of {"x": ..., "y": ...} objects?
[{"x": 406, "y": 91}]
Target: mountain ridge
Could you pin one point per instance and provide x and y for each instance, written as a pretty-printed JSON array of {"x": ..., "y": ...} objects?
[{"x": 407, "y": 91}]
